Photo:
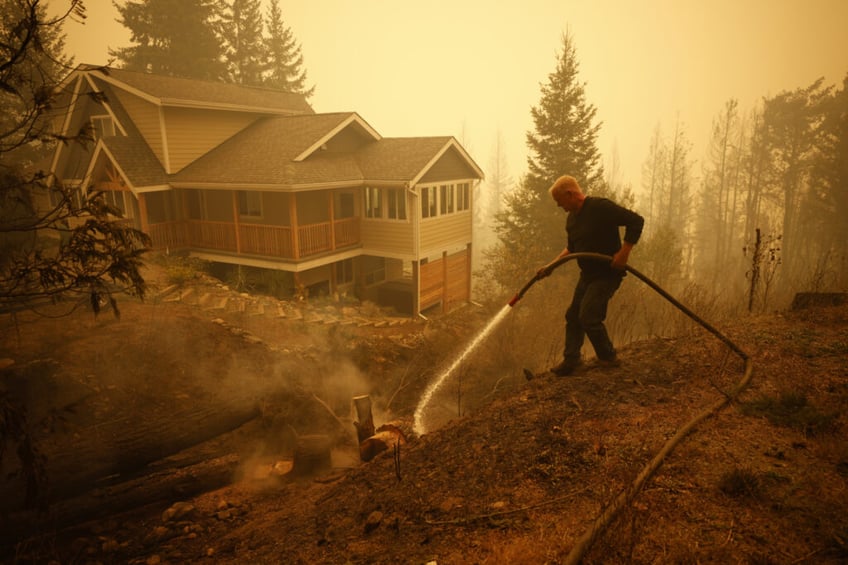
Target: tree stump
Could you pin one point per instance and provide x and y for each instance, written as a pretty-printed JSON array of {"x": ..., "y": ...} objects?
[{"x": 364, "y": 423}]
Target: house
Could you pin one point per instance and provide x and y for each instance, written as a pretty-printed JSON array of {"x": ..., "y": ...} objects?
[{"x": 255, "y": 177}]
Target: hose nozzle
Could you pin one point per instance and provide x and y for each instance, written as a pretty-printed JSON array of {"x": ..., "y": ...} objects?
[{"x": 515, "y": 299}]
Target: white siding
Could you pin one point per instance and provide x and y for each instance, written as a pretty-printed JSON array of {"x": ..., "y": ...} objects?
[
  {"x": 445, "y": 232},
  {"x": 191, "y": 133},
  {"x": 145, "y": 116},
  {"x": 388, "y": 237}
]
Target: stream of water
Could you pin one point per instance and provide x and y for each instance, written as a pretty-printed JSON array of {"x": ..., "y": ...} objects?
[{"x": 418, "y": 424}]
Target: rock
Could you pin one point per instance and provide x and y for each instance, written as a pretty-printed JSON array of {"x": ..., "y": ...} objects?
[
  {"x": 373, "y": 521},
  {"x": 110, "y": 546},
  {"x": 177, "y": 510}
]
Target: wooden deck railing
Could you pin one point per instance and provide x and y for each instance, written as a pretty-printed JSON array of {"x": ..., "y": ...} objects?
[
  {"x": 257, "y": 239},
  {"x": 211, "y": 235},
  {"x": 168, "y": 235}
]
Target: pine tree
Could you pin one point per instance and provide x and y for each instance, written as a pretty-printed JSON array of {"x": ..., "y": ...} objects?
[
  {"x": 531, "y": 227},
  {"x": 241, "y": 29},
  {"x": 172, "y": 38},
  {"x": 717, "y": 214},
  {"x": 284, "y": 58},
  {"x": 792, "y": 121},
  {"x": 826, "y": 206}
]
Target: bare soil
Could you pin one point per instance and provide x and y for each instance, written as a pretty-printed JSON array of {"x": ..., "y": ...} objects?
[{"x": 518, "y": 479}]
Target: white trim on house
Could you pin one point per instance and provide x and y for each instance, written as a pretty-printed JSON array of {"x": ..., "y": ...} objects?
[
  {"x": 166, "y": 154},
  {"x": 278, "y": 265},
  {"x": 101, "y": 148},
  {"x": 107, "y": 106},
  {"x": 287, "y": 187},
  {"x": 354, "y": 117},
  {"x": 452, "y": 142},
  {"x": 67, "y": 124}
]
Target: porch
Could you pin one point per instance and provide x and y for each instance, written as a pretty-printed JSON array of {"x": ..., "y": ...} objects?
[{"x": 257, "y": 239}]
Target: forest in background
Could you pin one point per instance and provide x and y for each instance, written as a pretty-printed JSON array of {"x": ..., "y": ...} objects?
[{"x": 758, "y": 218}]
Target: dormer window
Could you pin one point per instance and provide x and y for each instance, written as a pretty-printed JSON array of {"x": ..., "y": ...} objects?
[{"x": 103, "y": 126}]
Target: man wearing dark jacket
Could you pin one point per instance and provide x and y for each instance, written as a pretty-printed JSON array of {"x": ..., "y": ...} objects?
[{"x": 592, "y": 226}]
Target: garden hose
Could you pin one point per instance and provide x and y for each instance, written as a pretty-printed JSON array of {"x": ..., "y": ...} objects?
[{"x": 625, "y": 497}]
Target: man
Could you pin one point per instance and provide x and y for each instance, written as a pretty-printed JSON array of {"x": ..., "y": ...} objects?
[{"x": 592, "y": 226}]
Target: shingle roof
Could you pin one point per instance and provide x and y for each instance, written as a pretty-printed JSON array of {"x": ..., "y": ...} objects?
[
  {"x": 398, "y": 158},
  {"x": 170, "y": 90},
  {"x": 264, "y": 153},
  {"x": 136, "y": 160}
]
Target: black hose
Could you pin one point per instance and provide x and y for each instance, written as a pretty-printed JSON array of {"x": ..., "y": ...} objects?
[
  {"x": 643, "y": 278},
  {"x": 626, "y": 496}
]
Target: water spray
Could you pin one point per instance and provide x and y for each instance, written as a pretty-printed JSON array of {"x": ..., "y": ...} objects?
[
  {"x": 422, "y": 405},
  {"x": 625, "y": 498}
]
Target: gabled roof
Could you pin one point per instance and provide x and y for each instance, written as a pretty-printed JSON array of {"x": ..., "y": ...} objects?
[
  {"x": 135, "y": 160},
  {"x": 400, "y": 158},
  {"x": 264, "y": 154},
  {"x": 290, "y": 148},
  {"x": 270, "y": 155},
  {"x": 353, "y": 122},
  {"x": 183, "y": 92}
]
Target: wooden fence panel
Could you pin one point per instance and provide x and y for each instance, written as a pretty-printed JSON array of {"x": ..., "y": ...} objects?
[
  {"x": 457, "y": 283},
  {"x": 432, "y": 282}
]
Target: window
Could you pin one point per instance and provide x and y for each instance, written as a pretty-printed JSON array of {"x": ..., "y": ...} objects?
[
  {"x": 103, "y": 126},
  {"x": 373, "y": 202},
  {"x": 463, "y": 197},
  {"x": 446, "y": 195},
  {"x": 116, "y": 199},
  {"x": 250, "y": 203},
  {"x": 428, "y": 202},
  {"x": 397, "y": 204}
]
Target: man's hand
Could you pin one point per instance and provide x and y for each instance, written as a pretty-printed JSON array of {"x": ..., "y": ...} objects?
[{"x": 619, "y": 260}]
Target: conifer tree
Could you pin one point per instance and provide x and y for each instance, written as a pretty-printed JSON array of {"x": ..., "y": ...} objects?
[
  {"x": 241, "y": 29},
  {"x": 172, "y": 38},
  {"x": 284, "y": 59},
  {"x": 792, "y": 120},
  {"x": 531, "y": 229}
]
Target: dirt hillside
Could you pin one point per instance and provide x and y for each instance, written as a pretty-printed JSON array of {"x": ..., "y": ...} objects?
[{"x": 765, "y": 480}]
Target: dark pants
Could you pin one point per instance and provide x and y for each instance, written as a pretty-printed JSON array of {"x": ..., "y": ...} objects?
[{"x": 585, "y": 318}]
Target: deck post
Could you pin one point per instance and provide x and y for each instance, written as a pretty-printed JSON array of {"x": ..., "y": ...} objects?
[
  {"x": 236, "y": 221},
  {"x": 294, "y": 229}
]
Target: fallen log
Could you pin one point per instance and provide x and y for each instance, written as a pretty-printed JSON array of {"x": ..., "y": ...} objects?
[
  {"x": 165, "y": 486},
  {"x": 111, "y": 451},
  {"x": 387, "y": 436}
]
